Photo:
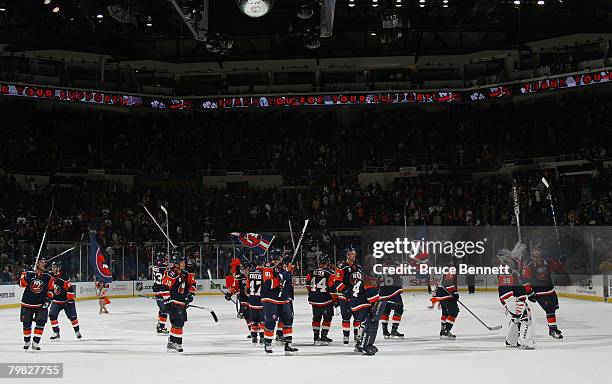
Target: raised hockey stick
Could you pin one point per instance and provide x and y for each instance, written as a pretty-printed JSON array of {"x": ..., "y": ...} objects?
[
  {"x": 297, "y": 248},
  {"x": 552, "y": 208},
  {"x": 45, "y": 232},
  {"x": 495, "y": 328},
  {"x": 517, "y": 210},
  {"x": 61, "y": 254},
  {"x": 212, "y": 313},
  {"x": 291, "y": 233},
  {"x": 167, "y": 228},
  {"x": 158, "y": 226}
]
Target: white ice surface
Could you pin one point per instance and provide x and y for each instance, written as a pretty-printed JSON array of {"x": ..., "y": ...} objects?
[{"x": 122, "y": 347}]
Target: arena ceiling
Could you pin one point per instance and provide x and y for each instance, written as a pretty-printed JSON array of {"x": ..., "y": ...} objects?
[{"x": 153, "y": 29}]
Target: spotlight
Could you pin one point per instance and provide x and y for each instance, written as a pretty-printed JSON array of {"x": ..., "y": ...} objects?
[
  {"x": 149, "y": 21},
  {"x": 517, "y": 2},
  {"x": 540, "y": 2},
  {"x": 372, "y": 33},
  {"x": 255, "y": 8},
  {"x": 47, "y": 2},
  {"x": 374, "y": 3},
  {"x": 56, "y": 9},
  {"x": 99, "y": 16}
]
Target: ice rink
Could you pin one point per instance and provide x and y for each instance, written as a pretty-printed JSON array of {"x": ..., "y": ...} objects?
[{"x": 123, "y": 347}]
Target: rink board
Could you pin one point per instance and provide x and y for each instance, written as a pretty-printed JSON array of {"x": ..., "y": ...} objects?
[{"x": 593, "y": 288}]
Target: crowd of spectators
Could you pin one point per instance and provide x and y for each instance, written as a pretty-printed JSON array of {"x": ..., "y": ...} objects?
[{"x": 294, "y": 142}]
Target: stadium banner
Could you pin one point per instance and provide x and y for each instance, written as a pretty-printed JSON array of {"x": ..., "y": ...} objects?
[
  {"x": 235, "y": 102},
  {"x": 121, "y": 288},
  {"x": 7, "y": 294},
  {"x": 566, "y": 82},
  {"x": 69, "y": 95},
  {"x": 84, "y": 289},
  {"x": 143, "y": 287}
]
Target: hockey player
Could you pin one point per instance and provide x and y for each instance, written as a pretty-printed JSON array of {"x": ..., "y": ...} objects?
[
  {"x": 367, "y": 310},
  {"x": 158, "y": 271},
  {"x": 320, "y": 286},
  {"x": 63, "y": 300},
  {"x": 537, "y": 275},
  {"x": 447, "y": 295},
  {"x": 239, "y": 288},
  {"x": 276, "y": 294},
  {"x": 344, "y": 289},
  {"x": 180, "y": 289},
  {"x": 513, "y": 296},
  {"x": 38, "y": 291},
  {"x": 254, "y": 282},
  {"x": 391, "y": 293}
]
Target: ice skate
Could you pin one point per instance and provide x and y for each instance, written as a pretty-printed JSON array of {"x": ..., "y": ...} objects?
[
  {"x": 289, "y": 349},
  {"x": 396, "y": 334}
]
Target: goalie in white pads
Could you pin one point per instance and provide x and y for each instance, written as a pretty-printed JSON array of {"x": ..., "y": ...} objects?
[{"x": 514, "y": 297}]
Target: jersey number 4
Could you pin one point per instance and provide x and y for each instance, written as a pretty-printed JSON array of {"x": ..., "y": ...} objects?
[{"x": 320, "y": 286}]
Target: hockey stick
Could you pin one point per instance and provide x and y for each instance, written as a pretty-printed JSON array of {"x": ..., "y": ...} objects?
[
  {"x": 158, "y": 226},
  {"x": 167, "y": 228},
  {"x": 291, "y": 233},
  {"x": 219, "y": 288},
  {"x": 45, "y": 232},
  {"x": 295, "y": 251},
  {"x": 517, "y": 211},
  {"x": 212, "y": 313},
  {"x": 495, "y": 328},
  {"x": 552, "y": 208},
  {"x": 61, "y": 254}
]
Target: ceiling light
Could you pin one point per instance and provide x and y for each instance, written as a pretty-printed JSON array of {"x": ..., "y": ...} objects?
[
  {"x": 149, "y": 21},
  {"x": 99, "y": 16},
  {"x": 517, "y": 2},
  {"x": 56, "y": 10},
  {"x": 47, "y": 2},
  {"x": 540, "y": 2},
  {"x": 255, "y": 8}
]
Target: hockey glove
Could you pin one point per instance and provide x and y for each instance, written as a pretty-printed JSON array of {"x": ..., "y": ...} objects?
[
  {"x": 46, "y": 304},
  {"x": 228, "y": 296},
  {"x": 188, "y": 299},
  {"x": 456, "y": 295}
]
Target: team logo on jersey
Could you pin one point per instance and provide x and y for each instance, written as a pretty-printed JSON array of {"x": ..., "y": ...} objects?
[
  {"x": 56, "y": 290},
  {"x": 37, "y": 285}
]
